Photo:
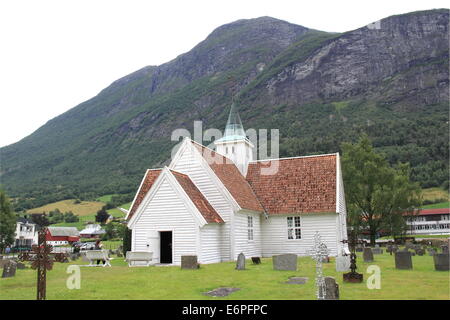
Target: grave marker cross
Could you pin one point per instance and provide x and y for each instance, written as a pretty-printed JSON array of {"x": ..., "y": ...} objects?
[
  {"x": 319, "y": 252},
  {"x": 353, "y": 276},
  {"x": 42, "y": 259}
]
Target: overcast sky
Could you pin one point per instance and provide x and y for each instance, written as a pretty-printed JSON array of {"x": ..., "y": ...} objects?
[{"x": 57, "y": 54}]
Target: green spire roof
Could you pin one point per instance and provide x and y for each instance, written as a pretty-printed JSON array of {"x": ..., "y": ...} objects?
[{"x": 234, "y": 130}]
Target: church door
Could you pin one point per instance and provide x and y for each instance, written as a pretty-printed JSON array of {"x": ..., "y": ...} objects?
[{"x": 166, "y": 246}]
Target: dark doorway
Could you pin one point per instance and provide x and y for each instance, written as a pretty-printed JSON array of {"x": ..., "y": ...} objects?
[{"x": 166, "y": 246}]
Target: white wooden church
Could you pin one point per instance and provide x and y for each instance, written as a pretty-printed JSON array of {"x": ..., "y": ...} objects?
[{"x": 217, "y": 204}]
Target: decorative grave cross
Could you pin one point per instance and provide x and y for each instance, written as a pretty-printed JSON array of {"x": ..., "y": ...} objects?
[
  {"x": 353, "y": 276},
  {"x": 319, "y": 252},
  {"x": 42, "y": 259}
]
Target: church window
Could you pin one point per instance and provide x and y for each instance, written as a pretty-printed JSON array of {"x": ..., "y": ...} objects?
[
  {"x": 249, "y": 227},
  {"x": 294, "y": 228}
]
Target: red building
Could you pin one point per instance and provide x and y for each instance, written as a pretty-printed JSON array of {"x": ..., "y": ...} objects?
[{"x": 62, "y": 235}]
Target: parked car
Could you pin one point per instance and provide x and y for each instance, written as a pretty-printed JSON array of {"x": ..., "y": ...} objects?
[{"x": 87, "y": 246}]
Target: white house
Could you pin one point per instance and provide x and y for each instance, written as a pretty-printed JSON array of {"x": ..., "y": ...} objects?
[
  {"x": 92, "y": 230},
  {"x": 217, "y": 204},
  {"x": 429, "y": 221},
  {"x": 26, "y": 233}
]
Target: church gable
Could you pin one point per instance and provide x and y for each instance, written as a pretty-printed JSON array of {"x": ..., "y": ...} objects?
[{"x": 182, "y": 188}]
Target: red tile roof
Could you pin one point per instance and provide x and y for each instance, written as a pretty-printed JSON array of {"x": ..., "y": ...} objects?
[
  {"x": 300, "y": 185},
  {"x": 231, "y": 178},
  {"x": 149, "y": 179},
  {"x": 205, "y": 208},
  {"x": 425, "y": 212}
]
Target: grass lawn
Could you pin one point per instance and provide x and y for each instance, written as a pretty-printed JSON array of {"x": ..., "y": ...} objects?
[
  {"x": 257, "y": 282},
  {"x": 437, "y": 205},
  {"x": 81, "y": 209},
  {"x": 106, "y": 198}
]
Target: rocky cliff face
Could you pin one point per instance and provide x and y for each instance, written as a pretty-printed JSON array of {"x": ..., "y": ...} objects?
[
  {"x": 399, "y": 60},
  {"x": 319, "y": 88}
]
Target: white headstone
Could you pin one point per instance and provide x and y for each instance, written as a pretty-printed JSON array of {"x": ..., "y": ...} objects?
[{"x": 342, "y": 263}]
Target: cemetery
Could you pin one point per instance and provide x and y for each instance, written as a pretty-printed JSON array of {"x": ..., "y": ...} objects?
[{"x": 283, "y": 277}]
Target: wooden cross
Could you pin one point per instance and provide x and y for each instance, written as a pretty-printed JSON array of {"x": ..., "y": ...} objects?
[{"x": 42, "y": 259}]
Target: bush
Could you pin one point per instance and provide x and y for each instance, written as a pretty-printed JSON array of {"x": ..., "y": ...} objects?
[{"x": 71, "y": 217}]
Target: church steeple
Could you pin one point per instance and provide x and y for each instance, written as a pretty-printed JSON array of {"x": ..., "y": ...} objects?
[
  {"x": 234, "y": 143},
  {"x": 234, "y": 128}
]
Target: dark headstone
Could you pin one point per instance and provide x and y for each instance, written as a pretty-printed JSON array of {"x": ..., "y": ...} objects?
[
  {"x": 331, "y": 289},
  {"x": 256, "y": 260},
  {"x": 297, "y": 280},
  {"x": 431, "y": 251},
  {"x": 9, "y": 269},
  {"x": 359, "y": 249},
  {"x": 285, "y": 262},
  {"x": 420, "y": 252},
  {"x": 21, "y": 266},
  {"x": 189, "y": 262},
  {"x": 119, "y": 254},
  {"x": 444, "y": 249},
  {"x": 403, "y": 260},
  {"x": 221, "y": 292},
  {"x": 240, "y": 263},
  {"x": 441, "y": 261},
  {"x": 368, "y": 255},
  {"x": 409, "y": 245}
]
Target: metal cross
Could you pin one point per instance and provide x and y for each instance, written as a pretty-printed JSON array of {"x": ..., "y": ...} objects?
[
  {"x": 42, "y": 259},
  {"x": 353, "y": 276},
  {"x": 319, "y": 252}
]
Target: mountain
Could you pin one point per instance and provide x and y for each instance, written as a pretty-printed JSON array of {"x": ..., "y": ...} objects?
[{"x": 389, "y": 80}]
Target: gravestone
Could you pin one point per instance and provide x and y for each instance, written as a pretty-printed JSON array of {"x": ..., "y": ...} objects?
[
  {"x": 240, "y": 263},
  {"x": 9, "y": 269},
  {"x": 119, "y": 254},
  {"x": 221, "y": 292},
  {"x": 342, "y": 263},
  {"x": 368, "y": 255},
  {"x": 444, "y": 249},
  {"x": 21, "y": 266},
  {"x": 441, "y": 261},
  {"x": 285, "y": 262},
  {"x": 359, "y": 248},
  {"x": 403, "y": 260},
  {"x": 409, "y": 245},
  {"x": 331, "y": 289},
  {"x": 3, "y": 262},
  {"x": 256, "y": 260},
  {"x": 297, "y": 280},
  {"x": 189, "y": 262},
  {"x": 83, "y": 257},
  {"x": 420, "y": 252},
  {"x": 377, "y": 250},
  {"x": 431, "y": 251}
]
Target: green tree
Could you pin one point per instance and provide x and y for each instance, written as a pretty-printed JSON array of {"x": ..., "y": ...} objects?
[
  {"x": 102, "y": 215},
  {"x": 7, "y": 222},
  {"x": 376, "y": 193}
]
